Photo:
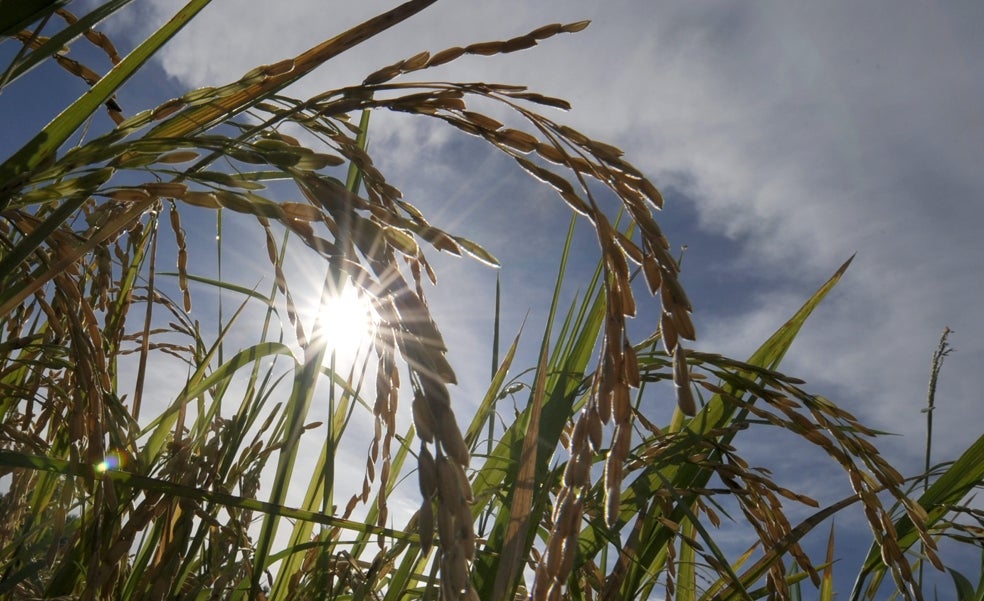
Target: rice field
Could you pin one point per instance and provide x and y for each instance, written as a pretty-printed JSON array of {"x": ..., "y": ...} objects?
[{"x": 149, "y": 451}]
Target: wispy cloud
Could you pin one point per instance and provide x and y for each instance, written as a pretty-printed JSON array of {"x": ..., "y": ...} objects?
[
  {"x": 795, "y": 135},
  {"x": 804, "y": 133}
]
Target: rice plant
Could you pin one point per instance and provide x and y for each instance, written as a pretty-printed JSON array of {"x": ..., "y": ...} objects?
[{"x": 110, "y": 492}]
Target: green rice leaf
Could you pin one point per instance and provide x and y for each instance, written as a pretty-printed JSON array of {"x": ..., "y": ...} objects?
[
  {"x": 18, "y": 14},
  {"x": 11, "y": 9},
  {"x": 44, "y": 145}
]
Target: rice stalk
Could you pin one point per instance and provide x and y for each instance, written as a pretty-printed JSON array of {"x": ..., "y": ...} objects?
[{"x": 556, "y": 492}]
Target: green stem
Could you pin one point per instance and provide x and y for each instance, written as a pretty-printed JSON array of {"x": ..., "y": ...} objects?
[{"x": 942, "y": 350}]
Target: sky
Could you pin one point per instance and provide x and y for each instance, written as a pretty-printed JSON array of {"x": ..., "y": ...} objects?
[{"x": 786, "y": 137}]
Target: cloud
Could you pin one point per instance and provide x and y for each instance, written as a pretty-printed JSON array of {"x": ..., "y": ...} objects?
[
  {"x": 803, "y": 133},
  {"x": 811, "y": 136},
  {"x": 791, "y": 135}
]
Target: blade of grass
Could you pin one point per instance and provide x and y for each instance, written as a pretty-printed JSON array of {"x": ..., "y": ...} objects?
[
  {"x": 198, "y": 384},
  {"x": 202, "y": 117},
  {"x": 18, "y": 14},
  {"x": 86, "y": 185},
  {"x": 687, "y": 566},
  {"x": 320, "y": 489},
  {"x": 223, "y": 285},
  {"x": 502, "y": 465},
  {"x": 757, "y": 570},
  {"x": 486, "y": 409},
  {"x": 520, "y": 509},
  {"x": 53, "y": 135},
  {"x": 716, "y": 413},
  {"x": 966, "y": 473},
  {"x": 61, "y": 39},
  {"x": 306, "y": 378},
  {"x": 827, "y": 581},
  {"x": 90, "y": 473},
  {"x": 15, "y": 295}
]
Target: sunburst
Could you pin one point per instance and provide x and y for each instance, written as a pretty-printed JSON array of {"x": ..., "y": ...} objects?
[{"x": 347, "y": 322}]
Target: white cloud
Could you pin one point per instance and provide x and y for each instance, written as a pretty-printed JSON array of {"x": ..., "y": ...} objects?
[
  {"x": 803, "y": 132},
  {"x": 817, "y": 135},
  {"x": 807, "y": 133}
]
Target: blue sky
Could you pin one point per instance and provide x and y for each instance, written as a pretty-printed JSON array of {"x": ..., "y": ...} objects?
[{"x": 785, "y": 136}]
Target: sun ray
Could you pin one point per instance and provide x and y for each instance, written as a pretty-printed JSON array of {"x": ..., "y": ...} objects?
[{"x": 347, "y": 322}]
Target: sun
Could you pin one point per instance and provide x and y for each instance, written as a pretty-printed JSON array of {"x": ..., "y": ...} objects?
[{"x": 347, "y": 322}]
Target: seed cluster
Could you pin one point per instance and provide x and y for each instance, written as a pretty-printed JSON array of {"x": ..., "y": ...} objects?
[{"x": 368, "y": 233}]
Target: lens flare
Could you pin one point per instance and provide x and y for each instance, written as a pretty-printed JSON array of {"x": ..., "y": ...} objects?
[{"x": 112, "y": 461}]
